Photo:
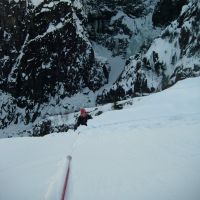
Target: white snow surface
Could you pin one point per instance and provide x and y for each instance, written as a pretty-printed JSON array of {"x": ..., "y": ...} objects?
[
  {"x": 116, "y": 62},
  {"x": 149, "y": 150},
  {"x": 38, "y": 2}
]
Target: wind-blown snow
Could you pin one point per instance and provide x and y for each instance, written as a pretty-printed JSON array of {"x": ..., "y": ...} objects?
[{"x": 149, "y": 150}]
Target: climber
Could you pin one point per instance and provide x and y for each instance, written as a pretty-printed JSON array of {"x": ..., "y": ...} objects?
[{"x": 82, "y": 119}]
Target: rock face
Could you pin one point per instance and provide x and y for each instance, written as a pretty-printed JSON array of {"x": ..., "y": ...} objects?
[
  {"x": 44, "y": 53},
  {"x": 173, "y": 56},
  {"x": 166, "y": 11},
  {"x": 52, "y": 53},
  {"x": 113, "y": 23}
]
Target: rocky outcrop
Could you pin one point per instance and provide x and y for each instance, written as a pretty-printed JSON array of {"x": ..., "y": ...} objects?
[
  {"x": 173, "y": 56},
  {"x": 45, "y": 54},
  {"x": 166, "y": 11},
  {"x": 114, "y": 23},
  {"x": 52, "y": 53}
]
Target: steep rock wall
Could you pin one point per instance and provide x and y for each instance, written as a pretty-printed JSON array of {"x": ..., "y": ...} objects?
[{"x": 173, "y": 56}]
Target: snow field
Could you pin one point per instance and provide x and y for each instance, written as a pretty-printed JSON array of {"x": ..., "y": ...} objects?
[
  {"x": 148, "y": 150},
  {"x": 31, "y": 167}
]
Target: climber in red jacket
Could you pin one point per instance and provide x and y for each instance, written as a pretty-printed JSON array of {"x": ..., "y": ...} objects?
[{"x": 82, "y": 119}]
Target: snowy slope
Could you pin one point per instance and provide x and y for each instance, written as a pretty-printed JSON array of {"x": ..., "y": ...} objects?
[{"x": 149, "y": 150}]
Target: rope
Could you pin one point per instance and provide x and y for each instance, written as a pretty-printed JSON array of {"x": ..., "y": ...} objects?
[{"x": 64, "y": 191}]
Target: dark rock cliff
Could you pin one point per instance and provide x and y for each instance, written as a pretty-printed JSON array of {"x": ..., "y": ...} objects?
[
  {"x": 44, "y": 53},
  {"x": 44, "y": 48},
  {"x": 173, "y": 56},
  {"x": 108, "y": 23},
  {"x": 166, "y": 11}
]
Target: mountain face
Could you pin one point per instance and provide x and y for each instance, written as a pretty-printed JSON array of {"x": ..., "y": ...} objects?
[
  {"x": 48, "y": 63},
  {"x": 44, "y": 50},
  {"x": 173, "y": 56},
  {"x": 166, "y": 11},
  {"x": 116, "y": 24},
  {"x": 44, "y": 53}
]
